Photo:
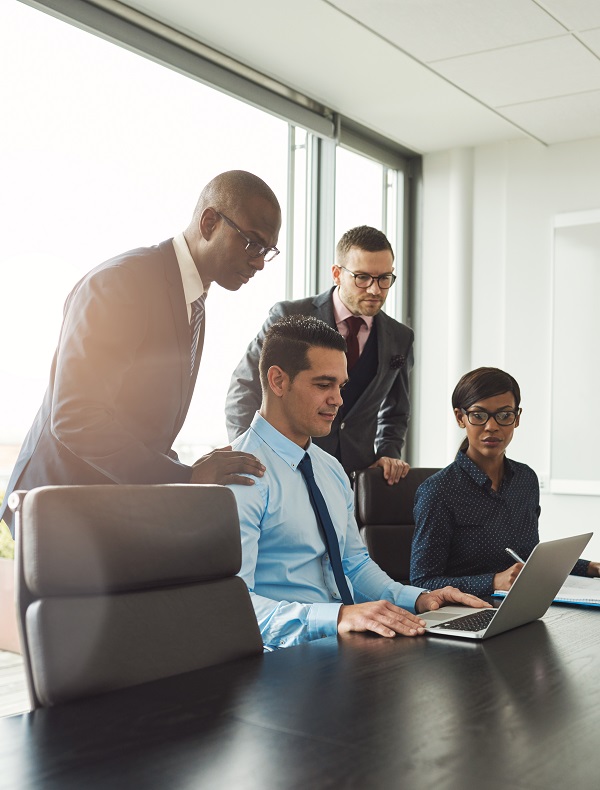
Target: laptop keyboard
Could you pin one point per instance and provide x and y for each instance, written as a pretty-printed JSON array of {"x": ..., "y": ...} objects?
[{"x": 470, "y": 622}]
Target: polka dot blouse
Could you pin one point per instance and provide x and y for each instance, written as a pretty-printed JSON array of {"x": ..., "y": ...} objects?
[{"x": 463, "y": 526}]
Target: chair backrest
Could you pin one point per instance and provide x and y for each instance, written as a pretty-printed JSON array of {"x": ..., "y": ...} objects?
[
  {"x": 120, "y": 585},
  {"x": 385, "y": 517}
]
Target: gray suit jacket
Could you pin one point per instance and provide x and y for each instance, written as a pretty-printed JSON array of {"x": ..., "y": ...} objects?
[
  {"x": 376, "y": 425},
  {"x": 120, "y": 383}
]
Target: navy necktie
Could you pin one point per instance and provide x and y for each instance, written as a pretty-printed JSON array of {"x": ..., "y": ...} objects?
[
  {"x": 354, "y": 324},
  {"x": 195, "y": 323},
  {"x": 324, "y": 519}
]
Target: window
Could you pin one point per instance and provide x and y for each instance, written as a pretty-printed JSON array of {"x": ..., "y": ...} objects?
[
  {"x": 94, "y": 164},
  {"x": 359, "y": 192},
  {"x": 369, "y": 193},
  {"x": 104, "y": 150}
]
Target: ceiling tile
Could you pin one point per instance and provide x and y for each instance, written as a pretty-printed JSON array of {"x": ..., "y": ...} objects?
[
  {"x": 440, "y": 29},
  {"x": 591, "y": 38},
  {"x": 575, "y": 14},
  {"x": 561, "y": 119},
  {"x": 539, "y": 70}
]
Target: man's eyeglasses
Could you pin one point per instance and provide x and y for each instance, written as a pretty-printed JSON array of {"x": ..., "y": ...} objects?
[
  {"x": 253, "y": 248},
  {"x": 384, "y": 281},
  {"x": 503, "y": 417}
]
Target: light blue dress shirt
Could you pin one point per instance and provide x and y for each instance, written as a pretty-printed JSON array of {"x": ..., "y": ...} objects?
[{"x": 284, "y": 558}]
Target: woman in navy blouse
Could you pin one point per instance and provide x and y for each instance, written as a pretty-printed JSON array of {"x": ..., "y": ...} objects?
[{"x": 467, "y": 514}]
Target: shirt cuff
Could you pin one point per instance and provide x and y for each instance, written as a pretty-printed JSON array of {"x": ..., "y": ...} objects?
[
  {"x": 322, "y": 620},
  {"x": 408, "y": 595}
]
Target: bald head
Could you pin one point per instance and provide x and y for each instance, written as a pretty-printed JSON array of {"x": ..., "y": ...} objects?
[
  {"x": 235, "y": 209},
  {"x": 231, "y": 190}
]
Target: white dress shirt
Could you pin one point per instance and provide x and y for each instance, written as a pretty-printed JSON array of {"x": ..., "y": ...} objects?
[{"x": 193, "y": 286}]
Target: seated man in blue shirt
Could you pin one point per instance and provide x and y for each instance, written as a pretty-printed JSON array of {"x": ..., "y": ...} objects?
[{"x": 285, "y": 561}]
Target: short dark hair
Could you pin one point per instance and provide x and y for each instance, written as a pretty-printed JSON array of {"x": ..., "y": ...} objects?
[
  {"x": 480, "y": 384},
  {"x": 365, "y": 238},
  {"x": 484, "y": 383},
  {"x": 288, "y": 341}
]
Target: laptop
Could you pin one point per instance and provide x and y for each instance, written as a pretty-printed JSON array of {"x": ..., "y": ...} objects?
[{"x": 532, "y": 592}]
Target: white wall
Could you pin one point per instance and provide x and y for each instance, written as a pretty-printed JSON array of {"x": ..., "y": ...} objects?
[{"x": 494, "y": 307}]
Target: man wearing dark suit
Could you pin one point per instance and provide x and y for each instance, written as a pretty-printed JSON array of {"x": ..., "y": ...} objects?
[
  {"x": 130, "y": 346},
  {"x": 370, "y": 428}
]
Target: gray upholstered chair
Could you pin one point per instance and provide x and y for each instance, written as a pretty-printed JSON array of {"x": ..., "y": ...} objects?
[
  {"x": 385, "y": 517},
  {"x": 120, "y": 585}
]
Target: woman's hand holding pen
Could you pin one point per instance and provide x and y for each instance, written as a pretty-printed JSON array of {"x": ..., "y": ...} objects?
[{"x": 505, "y": 579}]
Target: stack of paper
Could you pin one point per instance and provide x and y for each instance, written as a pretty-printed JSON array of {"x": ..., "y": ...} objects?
[{"x": 580, "y": 589}]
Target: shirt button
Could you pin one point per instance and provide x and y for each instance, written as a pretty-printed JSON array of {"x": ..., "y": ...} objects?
[
  {"x": 326, "y": 557},
  {"x": 342, "y": 426}
]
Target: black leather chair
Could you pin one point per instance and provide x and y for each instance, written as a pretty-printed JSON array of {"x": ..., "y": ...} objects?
[
  {"x": 120, "y": 585},
  {"x": 385, "y": 517}
]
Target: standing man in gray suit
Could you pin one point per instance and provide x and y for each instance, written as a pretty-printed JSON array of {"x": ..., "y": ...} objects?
[
  {"x": 130, "y": 345},
  {"x": 370, "y": 428}
]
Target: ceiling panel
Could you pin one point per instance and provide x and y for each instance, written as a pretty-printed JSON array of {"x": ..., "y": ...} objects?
[
  {"x": 575, "y": 14},
  {"x": 539, "y": 70},
  {"x": 591, "y": 38},
  {"x": 560, "y": 119},
  {"x": 439, "y": 29}
]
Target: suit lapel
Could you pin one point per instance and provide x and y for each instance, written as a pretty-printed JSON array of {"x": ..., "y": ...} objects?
[{"x": 323, "y": 304}]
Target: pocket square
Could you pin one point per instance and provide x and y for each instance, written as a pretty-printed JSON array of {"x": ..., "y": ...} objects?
[{"x": 397, "y": 361}]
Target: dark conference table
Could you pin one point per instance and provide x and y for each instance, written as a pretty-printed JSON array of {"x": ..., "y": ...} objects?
[{"x": 521, "y": 710}]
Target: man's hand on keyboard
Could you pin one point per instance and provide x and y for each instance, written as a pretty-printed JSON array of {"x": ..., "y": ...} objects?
[{"x": 448, "y": 595}]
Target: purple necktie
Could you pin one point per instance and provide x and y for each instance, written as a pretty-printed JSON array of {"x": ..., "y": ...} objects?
[{"x": 354, "y": 324}]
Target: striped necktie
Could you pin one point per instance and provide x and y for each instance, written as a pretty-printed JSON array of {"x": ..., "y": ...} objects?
[
  {"x": 195, "y": 323},
  {"x": 324, "y": 520}
]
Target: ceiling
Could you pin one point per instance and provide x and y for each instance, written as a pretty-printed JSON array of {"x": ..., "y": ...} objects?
[{"x": 429, "y": 74}]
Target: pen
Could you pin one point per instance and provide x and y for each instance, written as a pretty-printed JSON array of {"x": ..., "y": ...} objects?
[{"x": 514, "y": 555}]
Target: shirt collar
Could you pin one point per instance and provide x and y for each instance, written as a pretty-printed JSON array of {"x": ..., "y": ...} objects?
[
  {"x": 480, "y": 477},
  {"x": 193, "y": 287},
  {"x": 289, "y": 452},
  {"x": 341, "y": 312}
]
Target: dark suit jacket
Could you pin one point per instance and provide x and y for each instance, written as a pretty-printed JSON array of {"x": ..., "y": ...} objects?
[
  {"x": 375, "y": 425},
  {"x": 120, "y": 382}
]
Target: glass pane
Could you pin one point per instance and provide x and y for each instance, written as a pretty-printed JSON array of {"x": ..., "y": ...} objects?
[
  {"x": 359, "y": 192},
  {"x": 104, "y": 151},
  {"x": 300, "y": 165}
]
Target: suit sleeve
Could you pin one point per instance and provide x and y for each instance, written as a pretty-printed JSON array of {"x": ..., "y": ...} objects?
[
  {"x": 392, "y": 420},
  {"x": 104, "y": 326},
  {"x": 244, "y": 395}
]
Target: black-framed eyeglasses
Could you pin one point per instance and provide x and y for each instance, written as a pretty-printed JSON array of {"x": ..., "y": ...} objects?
[
  {"x": 253, "y": 248},
  {"x": 503, "y": 416},
  {"x": 384, "y": 281}
]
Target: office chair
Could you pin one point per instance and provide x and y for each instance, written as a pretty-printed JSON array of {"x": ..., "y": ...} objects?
[
  {"x": 120, "y": 585},
  {"x": 385, "y": 517}
]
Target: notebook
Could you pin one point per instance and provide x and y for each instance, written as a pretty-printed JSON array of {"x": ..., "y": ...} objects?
[
  {"x": 578, "y": 590},
  {"x": 582, "y": 590},
  {"x": 528, "y": 599}
]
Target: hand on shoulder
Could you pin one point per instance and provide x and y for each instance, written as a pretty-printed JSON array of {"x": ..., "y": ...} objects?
[{"x": 225, "y": 466}]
